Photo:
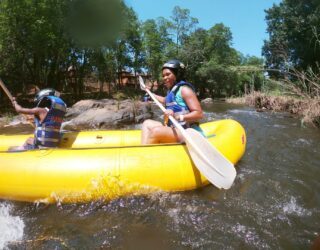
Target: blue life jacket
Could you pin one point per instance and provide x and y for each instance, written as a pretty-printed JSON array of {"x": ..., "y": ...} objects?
[
  {"x": 175, "y": 102},
  {"x": 47, "y": 133}
]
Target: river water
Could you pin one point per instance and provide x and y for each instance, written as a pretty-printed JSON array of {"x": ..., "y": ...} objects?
[{"x": 273, "y": 204}]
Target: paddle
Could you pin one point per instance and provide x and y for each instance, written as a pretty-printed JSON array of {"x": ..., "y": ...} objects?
[
  {"x": 210, "y": 162},
  {"x": 5, "y": 89}
]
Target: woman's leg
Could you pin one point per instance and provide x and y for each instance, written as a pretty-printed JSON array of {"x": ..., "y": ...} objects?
[
  {"x": 163, "y": 134},
  {"x": 154, "y": 132},
  {"x": 146, "y": 130}
]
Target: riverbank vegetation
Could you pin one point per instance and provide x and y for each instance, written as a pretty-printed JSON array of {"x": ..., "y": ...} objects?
[
  {"x": 307, "y": 109},
  {"x": 83, "y": 49},
  {"x": 300, "y": 97},
  {"x": 292, "y": 57}
]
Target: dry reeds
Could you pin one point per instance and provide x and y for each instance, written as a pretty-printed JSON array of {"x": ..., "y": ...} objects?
[
  {"x": 300, "y": 95},
  {"x": 308, "y": 109}
]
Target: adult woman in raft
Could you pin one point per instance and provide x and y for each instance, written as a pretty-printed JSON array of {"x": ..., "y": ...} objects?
[{"x": 181, "y": 102}]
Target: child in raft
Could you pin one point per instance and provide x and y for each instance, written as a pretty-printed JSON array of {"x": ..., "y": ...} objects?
[{"x": 48, "y": 116}]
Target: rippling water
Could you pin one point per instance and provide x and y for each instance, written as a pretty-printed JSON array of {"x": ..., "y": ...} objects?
[{"x": 273, "y": 204}]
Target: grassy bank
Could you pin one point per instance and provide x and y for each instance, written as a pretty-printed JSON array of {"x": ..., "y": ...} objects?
[{"x": 306, "y": 108}]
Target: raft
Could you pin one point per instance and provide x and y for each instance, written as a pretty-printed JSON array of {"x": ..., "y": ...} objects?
[{"x": 95, "y": 165}]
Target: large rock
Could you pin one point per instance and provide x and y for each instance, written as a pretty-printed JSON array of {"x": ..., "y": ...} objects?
[
  {"x": 105, "y": 114},
  {"x": 15, "y": 124}
]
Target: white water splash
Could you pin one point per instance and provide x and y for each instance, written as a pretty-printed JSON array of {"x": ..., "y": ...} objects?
[
  {"x": 243, "y": 111},
  {"x": 293, "y": 208},
  {"x": 11, "y": 227},
  {"x": 279, "y": 126},
  {"x": 302, "y": 142},
  {"x": 250, "y": 236},
  {"x": 247, "y": 112}
]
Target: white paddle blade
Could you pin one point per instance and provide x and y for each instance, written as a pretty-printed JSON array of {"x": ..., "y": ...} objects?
[{"x": 211, "y": 163}]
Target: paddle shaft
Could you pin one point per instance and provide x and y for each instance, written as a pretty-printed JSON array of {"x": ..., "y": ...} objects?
[
  {"x": 6, "y": 90},
  {"x": 177, "y": 124}
]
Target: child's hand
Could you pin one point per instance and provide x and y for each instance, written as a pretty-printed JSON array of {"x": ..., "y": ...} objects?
[{"x": 15, "y": 104}]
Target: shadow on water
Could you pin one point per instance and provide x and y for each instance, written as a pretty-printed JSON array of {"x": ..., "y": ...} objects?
[{"x": 273, "y": 204}]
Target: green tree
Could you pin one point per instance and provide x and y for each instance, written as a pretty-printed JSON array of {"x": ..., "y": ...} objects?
[
  {"x": 219, "y": 42},
  {"x": 194, "y": 56},
  {"x": 208, "y": 55},
  {"x": 32, "y": 41},
  {"x": 250, "y": 73},
  {"x": 294, "y": 29},
  {"x": 134, "y": 42},
  {"x": 152, "y": 43},
  {"x": 182, "y": 24},
  {"x": 219, "y": 81},
  {"x": 157, "y": 44},
  {"x": 41, "y": 39}
]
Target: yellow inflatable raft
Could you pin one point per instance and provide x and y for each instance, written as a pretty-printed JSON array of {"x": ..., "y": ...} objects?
[{"x": 94, "y": 165}]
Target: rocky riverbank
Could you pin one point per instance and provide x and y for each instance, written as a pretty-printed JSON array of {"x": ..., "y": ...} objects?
[
  {"x": 112, "y": 114},
  {"x": 308, "y": 109},
  {"x": 94, "y": 114}
]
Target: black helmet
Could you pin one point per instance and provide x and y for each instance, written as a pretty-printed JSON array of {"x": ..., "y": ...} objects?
[
  {"x": 177, "y": 68},
  {"x": 45, "y": 92}
]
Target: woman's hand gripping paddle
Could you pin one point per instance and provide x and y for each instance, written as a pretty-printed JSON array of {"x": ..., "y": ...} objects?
[{"x": 210, "y": 162}]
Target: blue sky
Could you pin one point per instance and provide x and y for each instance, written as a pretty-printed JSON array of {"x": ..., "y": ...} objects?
[{"x": 245, "y": 18}]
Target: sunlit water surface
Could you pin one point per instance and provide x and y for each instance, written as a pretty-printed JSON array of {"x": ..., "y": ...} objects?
[{"x": 273, "y": 204}]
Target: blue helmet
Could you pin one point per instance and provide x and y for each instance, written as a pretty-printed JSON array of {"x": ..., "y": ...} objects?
[{"x": 45, "y": 92}]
